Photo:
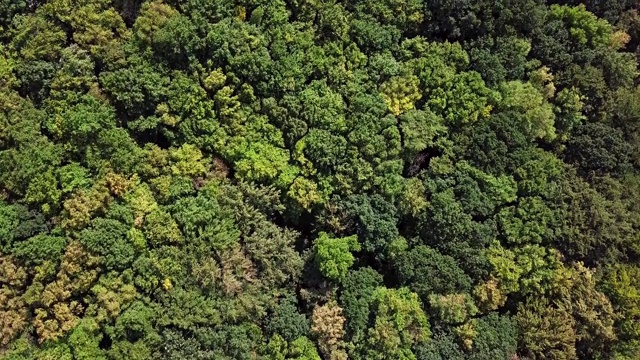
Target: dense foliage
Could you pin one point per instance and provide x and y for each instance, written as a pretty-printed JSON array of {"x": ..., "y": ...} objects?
[{"x": 316, "y": 179}]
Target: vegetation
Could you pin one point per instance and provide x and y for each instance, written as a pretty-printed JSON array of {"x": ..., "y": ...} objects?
[{"x": 365, "y": 179}]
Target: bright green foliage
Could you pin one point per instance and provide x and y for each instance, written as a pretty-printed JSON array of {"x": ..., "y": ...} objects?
[
  {"x": 480, "y": 193},
  {"x": 453, "y": 308},
  {"x": 303, "y": 349},
  {"x": 187, "y": 161},
  {"x": 528, "y": 269},
  {"x": 81, "y": 123},
  {"x": 402, "y": 14},
  {"x": 161, "y": 229},
  {"x": 199, "y": 220},
  {"x": 594, "y": 314},
  {"x": 576, "y": 323},
  {"x": 412, "y": 201},
  {"x": 584, "y": 27},
  {"x": 537, "y": 174},
  {"x": 73, "y": 78},
  {"x": 459, "y": 97},
  {"x": 334, "y": 256},
  {"x": 84, "y": 342},
  {"x": 153, "y": 15},
  {"x": 419, "y": 129},
  {"x": 400, "y": 94},
  {"x": 531, "y": 222},
  {"x": 305, "y": 192},
  {"x": 36, "y": 38},
  {"x": 538, "y": 112},
  {"x": 621, "y": 286},
  {"x": 299, "y": 349},
  {"x": 399, "y": 324}
]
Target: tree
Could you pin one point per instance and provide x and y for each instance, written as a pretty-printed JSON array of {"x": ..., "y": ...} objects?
[
  {"x": 600, "y": 148},
  {"x": 545, "y": 332},
  {"x": 334, "y": 256},
  {"x": 371, "y": 36},
  {"x": 442, "y": 346},
  {"x": 496, "y": 338},
  {"x": 456, "y": 95},
  {"x": 57, "y": 310},
  {"x": 419, "y": 130},
  {"x": 404, "y": 15},
  {"x": 327, "y": 323},
  {"x": 199, "y": 220},
  {"x": 400, "y": 324},
  {"x": 13, "y": 309},
  {"x": 161, "y": 229},
  {"x": 538, "y": 112},
  {"x": 584, "y": 27},
  {"x": 400, "y": 94},
  {"x": 40, "y": 249},
  {"x": 301, "y": 349},
  {"x": 452, "y": 308},
  {"x": 593, "y": 313},
  {"x": 286, "y": 321},
  {"x": 531, "y": 222},
  {"x": 499, "y": 59},
  {"x": 304, "y": 179},
  {"x": 452, "y": 231},
  {"x": 109, "y": 239},
  {"x": 527, "y": 270},
  {"x": 621, "y": 288},
  {"x": 426, "y": 271},
  {"x": 84, "y": 341},
  {"x": 356, "y": 299},
  {"x": 136, "y": 89},
  {"x": 374, "y": 221},
  {"x": 623, "y": 112},
  {"x": 17, "y": 224},
  {"x": 603, "y": 241}
]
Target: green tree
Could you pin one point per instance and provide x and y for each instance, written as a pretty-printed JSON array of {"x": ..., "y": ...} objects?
[
  {"x": 286, "y": 321},
  {"x": 334, "y": 256},
  {"x": 109, "y": 239},
  {"x": 538, "y": 112},
  {"x": 452, "y": 308},
  {"x": 496, "y": 338},
  {"x": 375, "y": 221},
  {"x": 545, "y": 331},
  {"x": 399, "y": 324},
  {"x": 621, "y": 287},
  {"x": 356, "y": 299},
  {"x": 426, "y": 271}
]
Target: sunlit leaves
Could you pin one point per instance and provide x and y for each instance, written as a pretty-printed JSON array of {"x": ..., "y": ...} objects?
[{"x": 334, "y": 255}]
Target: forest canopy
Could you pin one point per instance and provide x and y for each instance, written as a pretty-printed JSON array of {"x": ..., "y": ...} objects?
[{"x": 319, "y": 179}]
